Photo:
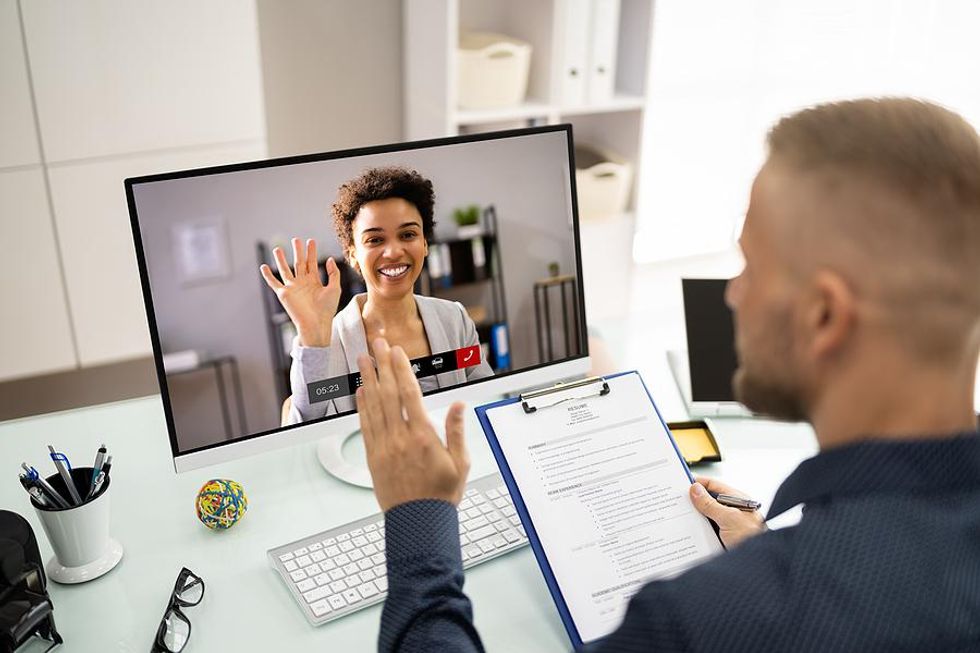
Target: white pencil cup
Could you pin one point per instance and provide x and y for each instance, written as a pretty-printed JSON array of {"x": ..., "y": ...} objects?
[{"x": 79, "y": 535}]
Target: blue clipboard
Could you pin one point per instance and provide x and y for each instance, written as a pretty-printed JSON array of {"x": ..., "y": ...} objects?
[{"x": 528, "y": 523}]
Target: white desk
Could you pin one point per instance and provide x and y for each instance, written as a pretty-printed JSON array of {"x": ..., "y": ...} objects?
[{"x": 246, "y": 607}]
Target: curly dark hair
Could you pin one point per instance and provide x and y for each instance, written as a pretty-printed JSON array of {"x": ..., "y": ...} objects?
[{"x": 381, "y": 184}]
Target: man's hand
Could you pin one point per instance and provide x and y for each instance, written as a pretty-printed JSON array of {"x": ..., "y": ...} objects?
[
  {"x": 406, "y": 458},
  {"x": 734, "y": 525}
]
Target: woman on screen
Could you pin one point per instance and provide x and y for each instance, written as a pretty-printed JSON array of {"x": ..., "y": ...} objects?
[{"x": 383, "y": 219}]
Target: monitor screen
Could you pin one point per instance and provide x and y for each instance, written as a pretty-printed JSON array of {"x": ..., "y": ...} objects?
[
  {"x": 464, "y": 251},
  {"x": 710, "y": 339}
]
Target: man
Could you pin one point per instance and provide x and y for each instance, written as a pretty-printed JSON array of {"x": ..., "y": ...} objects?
[{"x": 858, "y": 310}]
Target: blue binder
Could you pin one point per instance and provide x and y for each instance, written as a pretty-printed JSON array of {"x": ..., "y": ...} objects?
[{"x": 515, "y": 492}]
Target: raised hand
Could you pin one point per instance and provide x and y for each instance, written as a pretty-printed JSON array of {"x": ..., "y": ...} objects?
[
  {"x": 407, "y": 459},
  {"x": 310, "y": 305}
]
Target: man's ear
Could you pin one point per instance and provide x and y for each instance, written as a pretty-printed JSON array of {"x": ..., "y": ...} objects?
[{"x": 831, "y": 314}]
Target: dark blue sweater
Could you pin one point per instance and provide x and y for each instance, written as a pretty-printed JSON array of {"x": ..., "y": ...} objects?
[{"x": 885, "y": 558}]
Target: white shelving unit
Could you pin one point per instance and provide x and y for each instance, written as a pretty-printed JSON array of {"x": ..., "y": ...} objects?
[{"x": 431, "y": 34}]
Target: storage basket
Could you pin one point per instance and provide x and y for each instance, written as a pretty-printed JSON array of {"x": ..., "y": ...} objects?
[
  {"x": 492, "y": 70},
  {"x": 603, "y": 182}
]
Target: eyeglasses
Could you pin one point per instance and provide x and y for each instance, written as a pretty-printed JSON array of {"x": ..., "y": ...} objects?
[{"x": 175, "y": 628}]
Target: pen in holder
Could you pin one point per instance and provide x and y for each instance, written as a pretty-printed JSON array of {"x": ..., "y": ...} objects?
[{"x": 79, "y": 534}]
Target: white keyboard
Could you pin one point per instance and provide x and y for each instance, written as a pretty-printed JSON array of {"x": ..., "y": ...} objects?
[{"x": 342, "y": 570}]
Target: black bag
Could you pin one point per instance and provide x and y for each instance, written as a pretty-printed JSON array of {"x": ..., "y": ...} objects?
[{"x": 25, "y": 609}]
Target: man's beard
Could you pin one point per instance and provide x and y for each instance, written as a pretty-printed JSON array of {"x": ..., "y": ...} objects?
[{"x": 768, "y": 395}]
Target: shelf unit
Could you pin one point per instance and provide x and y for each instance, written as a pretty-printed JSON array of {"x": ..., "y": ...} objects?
[{"x": 431, "y": 30}]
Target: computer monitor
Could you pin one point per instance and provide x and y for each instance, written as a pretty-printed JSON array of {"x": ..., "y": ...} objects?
[{"x": 496, "y": 281}]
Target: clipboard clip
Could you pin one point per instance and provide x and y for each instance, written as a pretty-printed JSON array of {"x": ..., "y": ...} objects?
[{"x": 601, "y": 391}]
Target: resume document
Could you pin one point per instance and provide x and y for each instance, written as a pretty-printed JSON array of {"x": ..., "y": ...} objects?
[{"x": 607, "y": 494}]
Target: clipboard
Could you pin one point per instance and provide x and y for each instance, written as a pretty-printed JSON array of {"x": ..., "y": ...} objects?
[{"x": 594, "y": 388}]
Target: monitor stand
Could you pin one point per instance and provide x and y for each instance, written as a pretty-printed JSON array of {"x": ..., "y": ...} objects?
[{"x": 330, "y": 453}]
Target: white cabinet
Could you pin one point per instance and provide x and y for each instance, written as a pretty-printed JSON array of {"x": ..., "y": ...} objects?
[
  {"x": 110, "y": 89},
  {"x": 118, "y": 76},
  {"x": 35, "y": 335},
  {"x": 16, "y": 120}
]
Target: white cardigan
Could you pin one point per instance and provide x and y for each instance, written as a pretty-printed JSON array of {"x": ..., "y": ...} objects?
[{"x": 447, "y": 327}]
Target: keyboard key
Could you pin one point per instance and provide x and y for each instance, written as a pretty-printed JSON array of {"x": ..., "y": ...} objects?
[
  {"x": 316, "y": 546},
  {"x": 337, "y": 601},
  {"x": 320, "y": 608},
  {"x": 498, "y": 541},
  {"x": 360, "y": 540},
  {"x": 463, "y": 540},
  {"x": 501, "y": 526},
  {"x": 343, "y": 536},
  {"x": 297, "y": 575},
  {"x": 338, "y": 586},
  {"x": 493, "y": 494},
  {"x": 504, "y": 492},
  {"x": 515, "y": 520},
  {"x": 330, "y": 541},
  {"x": 501, "y": 502},
  {"x": 352, "y": 595},
  {"x": 366, "y": 575},
  {"x": 471, "y": 524},
  {"x": 486, "y": 508},
  {"x": 511, "y": 536},
  {"x": 370, "y": 527},
  {"x": 285, "y": 556},
  {"x": 364, "y": 563},
  {"x": 478, "y": 499},
  {"x": 328, "y": 564},
  {"x": 462, "y": 529},
  {"x": 304, "y": 561},
  {"x": 312, "y": 570},
  {"x": 351, "y": 569},
  {"x": 290, "y": 565},
  {"x": 473, "y": 513},
  {"x": 306, "y": 585},
  {"x": 342, "y": 559},
  {"x": 368, "y": 590},
  {"x": 369, "y": 549},
  {"x": 520, "y": 529},
  {"x": 378, "y": 558},
  {"x": 301, "y": 552},
  {"x": 346, "y": 546},
  {"x": 382, "y": 584},
  {"x": 465, "y": 504},
  {"x": 471, "y": 492},
  {"x": 318, "y": 556},
  {"x": 486, "y": 546},
  {"x": 473, "y": 551},
  {"x": 355, "y": 555},
  {"x": 356, "y": 532},
  {"x": 322, "y": 579},
  {"x": 373, "y": 536},
  {"x": 352, "y": 581},
  {"x": 317, "y": 594},
  {"x": 482, "y": 533},
  {"x": 332, "y": 551},
  {"x": 380, "y": 571},
  {"x": 510, "y": 511},
  {"x": 336, "y": 574}
]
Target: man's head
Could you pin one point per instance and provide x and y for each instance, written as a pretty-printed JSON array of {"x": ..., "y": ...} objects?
[{"x": 861, "y": 241}]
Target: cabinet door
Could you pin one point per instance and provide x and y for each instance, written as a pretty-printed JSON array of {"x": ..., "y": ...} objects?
[
  {"x": 97, "y": 247},
  {"x": 121, "y": 76},
  {"x": 35, "y": 336},
  {"x": 17, "y": 131}
]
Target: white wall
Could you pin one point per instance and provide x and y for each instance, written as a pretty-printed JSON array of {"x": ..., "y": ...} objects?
[{"x": 723, "y": 72}]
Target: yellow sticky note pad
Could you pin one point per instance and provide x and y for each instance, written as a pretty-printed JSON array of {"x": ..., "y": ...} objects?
[{"x": 696, "y": 442}]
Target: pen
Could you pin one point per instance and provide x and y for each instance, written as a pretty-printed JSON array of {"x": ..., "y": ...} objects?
[
  {"x": 96, "y": 468},
  {"x": 736, "y": 502},
  {"x": 98, "y": 483},
  {"x": 34, "y": 477},
  {"x": 107, "y": 465},
  {"x": 34, "y": 491},
  {"x": 64, "y": 468}
]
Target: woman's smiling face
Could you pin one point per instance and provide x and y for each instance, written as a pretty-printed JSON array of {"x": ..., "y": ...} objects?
[{"x": 389, "y": 246}]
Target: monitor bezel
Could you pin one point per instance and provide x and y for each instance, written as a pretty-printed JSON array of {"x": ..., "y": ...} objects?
[{"x": 306, "y": 431}]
